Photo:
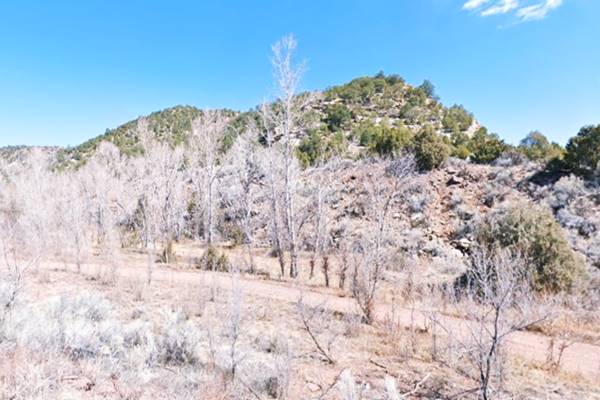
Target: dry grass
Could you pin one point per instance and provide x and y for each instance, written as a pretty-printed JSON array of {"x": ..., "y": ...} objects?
[{"x": 278, "y": 359}]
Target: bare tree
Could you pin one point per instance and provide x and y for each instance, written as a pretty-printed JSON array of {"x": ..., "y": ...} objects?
[
  {"x": 342, "y": 242},
  {"x": 498, "y": 300},
  {"x": 284, "y": 118},
  {"x": 72, "y": 217},
  {"x": 370, "y": 253},
  {"x": 113, "y": 200},
  {"x": 205, "y": 157},
  {"x": 271, "y": 159},
  {"x": 321, "y": 191},
  {"x": 24, "y": 224},
  {"x": 242, "y": 191},
  {"x": 32, "y": 196},
  {"x": 16, "y": 254},
  {"x": 159, "y": 180}
]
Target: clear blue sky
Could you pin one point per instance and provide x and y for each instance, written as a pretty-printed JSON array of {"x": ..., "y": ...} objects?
[{"x": 71, "y": 69}]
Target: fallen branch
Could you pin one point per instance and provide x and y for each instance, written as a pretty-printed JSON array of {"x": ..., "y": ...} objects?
[{"x": 306, "y": 318}]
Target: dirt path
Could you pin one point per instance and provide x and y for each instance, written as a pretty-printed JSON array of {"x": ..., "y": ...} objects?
[{"x": 579, "y": 358}]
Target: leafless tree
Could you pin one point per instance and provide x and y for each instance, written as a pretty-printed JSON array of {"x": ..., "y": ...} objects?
[
  {"x": 72, "y": 217},
  {"x": 321, "y": 191},
  {"x": 370, "y": 253},
  {"x": 113, "y": 200},
  {"x": 33, "y": 197},
  {"x": 24, "y": 224},
  {"x": 343, "y": 246},
  {"x": 13, "y": 236},
  {"x": 271, "y": 159},
  {"x": 205, "y": 158},
  {"x": 159, "y": 179},
  {"x": 243, "y": 190},
  {"x": 498, "y": 300},
  {"x": 282, "y": 121}
]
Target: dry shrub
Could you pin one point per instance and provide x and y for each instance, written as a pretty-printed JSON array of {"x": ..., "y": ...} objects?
[{"x": 177, "y": 344}]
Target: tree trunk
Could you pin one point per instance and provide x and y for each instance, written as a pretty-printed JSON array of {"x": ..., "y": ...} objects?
[
  {"x": 343, "y": 269},
  {"x": 209, "y": 222},
  {"x": 274, "y": 222},
  {"x": 250, "y": 258},
  {"x": 325, "y": 268},
  {"x": 150, "y": 254}
]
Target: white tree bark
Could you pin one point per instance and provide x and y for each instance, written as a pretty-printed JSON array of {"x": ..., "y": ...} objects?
[{"x": 205, "y": 158}]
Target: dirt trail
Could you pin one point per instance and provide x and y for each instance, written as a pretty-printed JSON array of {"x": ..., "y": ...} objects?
[{"x": 579, "y": 358}]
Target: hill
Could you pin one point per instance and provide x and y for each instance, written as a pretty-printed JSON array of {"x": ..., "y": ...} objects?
[
  {"x": 349, "y": 114},
  {"x": 171, "y": 125}
]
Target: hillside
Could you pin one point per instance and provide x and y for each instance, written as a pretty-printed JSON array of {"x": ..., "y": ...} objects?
[
  {"x": 171, "y": 125},
  {"x": 343, "y": 116},
  {"x": 19, "y": 153}
]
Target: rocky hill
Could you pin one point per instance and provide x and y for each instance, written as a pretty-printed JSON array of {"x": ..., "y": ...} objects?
[{"x": 345, "y": 114}]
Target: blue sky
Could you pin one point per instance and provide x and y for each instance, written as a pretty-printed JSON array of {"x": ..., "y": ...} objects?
[{"x": 71, "y": 69}]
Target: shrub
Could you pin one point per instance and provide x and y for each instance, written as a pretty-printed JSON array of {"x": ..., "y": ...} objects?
[
  {"x": 211, "y": 260},
  {"x": 9, "y": 295},
  {"x": 593, "y": 255},
  {"x": 363, "y": 90},
  {"x": 178, "y": 340},
  {"x": 533, "y": 233},
  {"x": 84, "y": 327},
  {"x": 168, "y": 254},
  {"x": 77, "y": 326},
  {"x": 570, "y": 220},
  {"x": 234, "y": 233},
  {"x": 430, "y": 149},
  {"x": 457, "y": 119},
  {"x": 461, "y": 152},
  {"x": 9, "y": 299},
  {"x": 418, "y": 201},
  {"x": 337, "y": 117},
  {"x": 364, "y": 132},
  {"x": 583, "y": 151},
  {"x": 460, "y": 145},
  {"x": 565, "y": 191},
  {"x": 486, "y": 147},
  {"x": 386, "y": 140},
  {"x": 537, "y": 147},
  {"x": 510, "y": 158},
  {"x": 319, "y": 145},
  {"x": 494, "y": 193}
]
